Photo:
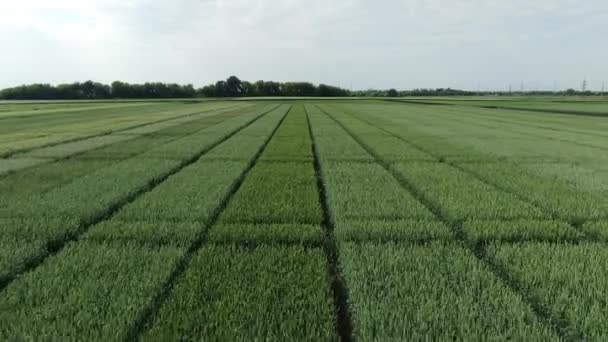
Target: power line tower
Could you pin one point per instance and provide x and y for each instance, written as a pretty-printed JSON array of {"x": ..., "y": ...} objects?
[
  {"x": 584, "y": 87},
  {"x": 603, "y": 85}
]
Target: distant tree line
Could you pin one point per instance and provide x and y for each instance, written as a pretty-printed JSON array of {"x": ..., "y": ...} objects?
[
  {"x": 232, "y": 87},
  {"x": 415, "y": 92},
  {"x": 90, "y": 90},
  {"x": 457, "y": 92}
]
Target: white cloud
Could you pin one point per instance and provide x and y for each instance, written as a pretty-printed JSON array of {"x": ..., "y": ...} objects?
[{"x": 391, "y": 43}]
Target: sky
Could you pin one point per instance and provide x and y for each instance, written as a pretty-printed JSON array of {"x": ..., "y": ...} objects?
[{"x": 356, "y": 44}]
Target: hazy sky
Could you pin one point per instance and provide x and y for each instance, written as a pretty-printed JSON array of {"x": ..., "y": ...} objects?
[{"x": 355, "y": 44}]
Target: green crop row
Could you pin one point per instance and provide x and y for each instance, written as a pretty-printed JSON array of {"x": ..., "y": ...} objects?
[
  {"x": 458, "y": 196},
  {"x": 332, "y": 141},
  {"x": 386, "y": 146},
  {"x": 184, "y": 148},
  {"x": 292, "y": 141},
  {"x": 232, "y": 293},
  {"x": 42, "y": 178},
  {"x": 267, "y": 234},
  {"x": 67, "y": 149},
  {"x": 92, "y": 292},
  {"x": 62, "y": 212},
  {"x": 597, "y": 229},
  {"x": 570, "y": 280},
  {"x": 130, "y": 148},
  {"x": 24, "y": 109},
  {"x": 432, "y": 135},
  {"x": 368, "y": 191},
  {"x": 88, "y": 117},
  {"x": 551, "y": 194},
  {"x": 189, "y": 196},
  {"x": 248, "y": 141},
  {"x": 121, "y": 138},
  {"x": 146, "y": 233},
  {"x": 435, "y": 292},
  {"x": 91, "y": 197},
  {"x": 276, "y": 193},
  {"x": 63, "y": 127},
  {"x": 520, "y": 230},
  {"x": 150, "y": 235},
  {"x": 380, "y": 231},
  {"x": 14, "y": 164}
]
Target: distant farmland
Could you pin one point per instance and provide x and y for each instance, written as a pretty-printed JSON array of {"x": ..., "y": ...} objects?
[{"x": 291, "y": 220}]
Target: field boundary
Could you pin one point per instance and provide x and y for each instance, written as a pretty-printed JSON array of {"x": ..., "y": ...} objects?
[
  {"x": 146, "y": 317},
  {"x": 55, "y": 246},
  {"x": 538, "y": 110},
  {"x": 344, "y": 324},
  {"x": 561, "y": 327},
  {"x": 549, "y": 111}
]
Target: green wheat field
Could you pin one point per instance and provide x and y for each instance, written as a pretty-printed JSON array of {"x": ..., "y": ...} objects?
[{"x": 304, "y": 220}]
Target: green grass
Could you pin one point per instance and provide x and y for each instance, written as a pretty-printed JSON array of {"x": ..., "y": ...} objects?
[
  {"x": 237, "y": 294},
  {"x": 569, "y": 279},
  {"x": 433, "y": 292}
]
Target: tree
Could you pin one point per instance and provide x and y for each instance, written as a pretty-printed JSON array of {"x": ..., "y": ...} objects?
[
  {"x": 392, "y": 93},
  {"x": 233, "y": 87}
]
